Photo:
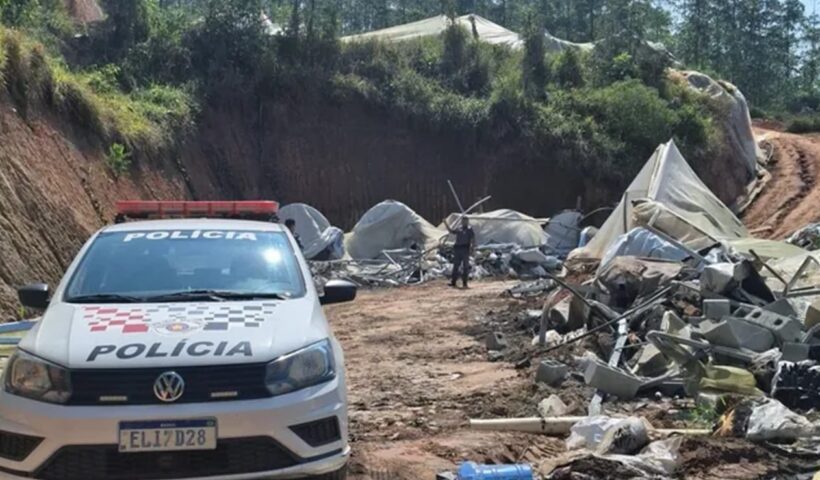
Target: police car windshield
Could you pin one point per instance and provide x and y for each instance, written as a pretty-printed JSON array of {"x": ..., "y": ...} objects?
[{"x": 147, "y": 265}]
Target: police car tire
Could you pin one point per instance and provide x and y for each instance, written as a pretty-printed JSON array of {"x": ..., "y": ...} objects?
[{"x": 337, "y": 475}]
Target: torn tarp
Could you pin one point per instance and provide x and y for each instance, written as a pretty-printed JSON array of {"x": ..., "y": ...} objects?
[
  {"x": 640, "y": 242},
  {"x": 680, "y": 205},
  {"x": 503, "y": 227},
  {"x": 390, "y": 225},
  {"x": 320, "y": 240}
]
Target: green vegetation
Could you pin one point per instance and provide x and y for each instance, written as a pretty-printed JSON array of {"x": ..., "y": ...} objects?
[
  {"x": 804, "y": 124},
  {"x": 702, "y": 416},
  {"x": 146, "y": 118},
  {"x": 139, "y": 78},
  {"x": 769, "y": 48},
  {"x": 118, "y": 158},
  {"x": 605, "y": 124}
]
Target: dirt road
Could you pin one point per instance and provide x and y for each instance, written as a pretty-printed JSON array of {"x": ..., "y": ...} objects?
[
  {"x": 790, "y": 198},
  {"x": 415, "y": 374}
]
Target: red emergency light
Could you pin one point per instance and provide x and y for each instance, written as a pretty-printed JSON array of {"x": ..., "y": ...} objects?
[{"x": 255, "y": 209}]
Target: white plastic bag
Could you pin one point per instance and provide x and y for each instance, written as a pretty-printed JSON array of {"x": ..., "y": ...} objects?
[
  {"x": 773, "y": 420},
  {"x": 589, "y": 432}
]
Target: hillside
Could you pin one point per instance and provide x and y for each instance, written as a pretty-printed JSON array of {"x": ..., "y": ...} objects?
[{"x": 189, "y": 110}]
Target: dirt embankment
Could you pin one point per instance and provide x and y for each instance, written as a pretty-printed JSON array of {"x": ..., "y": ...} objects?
[
  {"x": 789, "y": 198},
  {"x": 55, "y": 190},
  {"x": 341, "y": 158}
]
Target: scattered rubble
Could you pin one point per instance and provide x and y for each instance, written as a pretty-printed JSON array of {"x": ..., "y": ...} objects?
[
  {"x": 682, "y": 304},
  {"x": 392, "y": 245}
]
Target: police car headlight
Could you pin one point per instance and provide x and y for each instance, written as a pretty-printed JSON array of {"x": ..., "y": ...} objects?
[
  {"x": 301, "y": 369},
  {"x": 32, "y": 377}
]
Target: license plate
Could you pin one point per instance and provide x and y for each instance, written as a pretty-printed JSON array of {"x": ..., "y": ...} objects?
[{"x": 168, "y": 435}]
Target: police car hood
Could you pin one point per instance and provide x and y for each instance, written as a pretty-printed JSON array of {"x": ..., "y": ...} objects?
[{"x": 175, "y": 334}]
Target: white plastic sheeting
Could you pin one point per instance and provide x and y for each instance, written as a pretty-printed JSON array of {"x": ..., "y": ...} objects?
[
  {"x": 738, "y": 122},
  {"x": 318, "y": 237},
  {"x": 679, "y": 204},
  {"x": 390, "y": 225},
  {"x": 773, "y": 421},
  {"x": 640, "y": 242},
  {"x": 504, "y": 226},
  {"x": 487, "y": 31},
  {"x": 589, "y": 432}
]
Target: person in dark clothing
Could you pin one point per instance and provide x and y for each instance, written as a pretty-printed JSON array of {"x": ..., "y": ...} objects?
[
  {"x": 463, "y": 247},
  {"x": 291, "y": 224}
]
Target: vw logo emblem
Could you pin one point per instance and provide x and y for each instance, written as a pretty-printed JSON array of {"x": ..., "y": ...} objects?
[{"x": 169, "y": 386}]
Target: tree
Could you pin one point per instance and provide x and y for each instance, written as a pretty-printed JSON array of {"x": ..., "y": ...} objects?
[
  {"x": 695, "y": 33},
  {"x": 811, "y": 60},
  {"x": 230, "y": 44},
  {"x": 129, "y": 22},
  {"x": 534, "y": 66},
  {"x": 567, "y": 70}
]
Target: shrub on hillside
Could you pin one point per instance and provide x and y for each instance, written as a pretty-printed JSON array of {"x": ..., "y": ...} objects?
[
  {"x": 464, "y": 64},
  {"x": 629, "y": 111},
  {"x": 93, "y": 99},
  {"x": 622, "y": 57},
  {"x": 567, "y": 69},
  {"x": 534, "y": 67},
  {"x": 804, "y": 124},
  {"x": 118, "y": 158}
]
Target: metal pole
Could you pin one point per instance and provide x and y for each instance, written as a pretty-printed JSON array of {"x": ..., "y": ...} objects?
[{"x": 455, "y": 195}]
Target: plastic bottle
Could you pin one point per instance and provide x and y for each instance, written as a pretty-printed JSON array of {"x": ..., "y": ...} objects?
[{"x": 473, "y": 471}]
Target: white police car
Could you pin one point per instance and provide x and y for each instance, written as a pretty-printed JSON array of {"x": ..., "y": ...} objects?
[{"x": 179, "y": 348}]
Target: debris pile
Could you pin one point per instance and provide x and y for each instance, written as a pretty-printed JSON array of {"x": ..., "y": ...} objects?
[
  {"x": 392, "y": 245},
  {"x": 683, "y": 305},
  {"x": 807, "y": 237}
]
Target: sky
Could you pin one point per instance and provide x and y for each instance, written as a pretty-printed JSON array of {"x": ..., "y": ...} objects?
[{"x": 810, "y": 4}]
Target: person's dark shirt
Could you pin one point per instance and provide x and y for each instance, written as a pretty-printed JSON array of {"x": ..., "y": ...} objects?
[
  {"x": 464, "y": 236},
  {"x": 298, "y": 241}
]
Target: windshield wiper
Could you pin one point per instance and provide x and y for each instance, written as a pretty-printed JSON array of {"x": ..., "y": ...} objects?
[
  {"x": 212, "y": 295},
  {"x": 105, "y": 298}
]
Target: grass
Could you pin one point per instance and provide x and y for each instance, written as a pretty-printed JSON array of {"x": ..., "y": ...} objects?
[
  {"x": 147, "y": 119},
  {"x": 702, "y": 416},
  {"x": 606, "y": 130},
  {"x": 804, "y": 124},
  {"x": 456, "y": 87}
]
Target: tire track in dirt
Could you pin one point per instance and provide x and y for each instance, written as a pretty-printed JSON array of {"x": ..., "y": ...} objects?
[
  {"x": 806, "y": 175},
  {"x": 789, "y": 200}
]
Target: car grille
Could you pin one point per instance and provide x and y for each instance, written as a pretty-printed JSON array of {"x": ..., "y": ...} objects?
[
  {"x": 319, "y": 432},
  {"x": 136, "y": 386},
  {"x": 17, "y": 447},
  {"x": 232, "y": 456}
]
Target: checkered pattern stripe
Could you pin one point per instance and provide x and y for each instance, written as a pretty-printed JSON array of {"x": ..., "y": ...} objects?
[
  {"x": 101, "y": 319},
  {"x": 212, "y": 317}
]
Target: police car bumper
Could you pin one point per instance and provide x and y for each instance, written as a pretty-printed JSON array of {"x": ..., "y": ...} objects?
[{"x": 255, "y": 438}]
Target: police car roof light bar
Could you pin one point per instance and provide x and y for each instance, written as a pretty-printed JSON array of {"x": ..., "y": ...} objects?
[{"x": 265, "y": 209}]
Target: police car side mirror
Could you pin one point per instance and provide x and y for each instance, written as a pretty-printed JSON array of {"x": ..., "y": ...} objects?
[
  {"x": 338, "y": 291},
  {"x": 34, "y": 295}
]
